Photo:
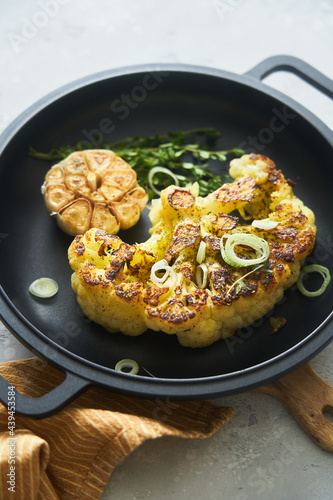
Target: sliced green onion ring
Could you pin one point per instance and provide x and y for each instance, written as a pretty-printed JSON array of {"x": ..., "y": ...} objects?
[
  {"x": 201, "y": 252},
  {"x": 127, "y": 363},
  {"x": 313, "y": 268},
  {"x": 265, "y": 223},
  {"x": 161, "y": 170},
  {"x": 159, "y": 266},
  {"x": 201, "y": 276},
  {"x": 44, "y": 288},
  {"x": 260, "y": 246}
]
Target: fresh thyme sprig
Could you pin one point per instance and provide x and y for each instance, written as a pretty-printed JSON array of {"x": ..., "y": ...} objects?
[{"x": 187, "y": 154}]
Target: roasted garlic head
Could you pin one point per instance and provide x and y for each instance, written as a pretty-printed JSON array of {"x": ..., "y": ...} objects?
[{"x": 93, "y": 188}]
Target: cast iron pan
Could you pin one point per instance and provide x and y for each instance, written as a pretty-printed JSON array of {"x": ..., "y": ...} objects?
[{"x": 163, "y": 98}]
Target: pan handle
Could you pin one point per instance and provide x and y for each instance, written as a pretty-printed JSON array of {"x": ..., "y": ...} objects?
[
  {"x": 296, "y": 66},
  {"x": 46, "y": 405},
  {"x": 308, "y": 397}
]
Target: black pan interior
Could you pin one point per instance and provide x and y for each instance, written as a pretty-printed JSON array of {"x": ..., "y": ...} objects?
[{"x": 33, "y": 246}]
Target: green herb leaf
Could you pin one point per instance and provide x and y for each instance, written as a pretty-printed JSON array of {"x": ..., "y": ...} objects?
[{"x": 239, "y": 286}]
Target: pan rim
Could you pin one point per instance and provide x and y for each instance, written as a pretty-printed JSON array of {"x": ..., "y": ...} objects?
[
  {"x": 271, "y": 365},
  {"x": 25, "y": 116}
]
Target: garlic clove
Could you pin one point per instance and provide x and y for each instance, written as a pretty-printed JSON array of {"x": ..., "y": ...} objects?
[
  {"x": 84, "y": 192},
  {"x": 74, "y": 182},
  {"x": 55, "y": 175},
  {"x": 139, "y": 196},
  {"x": 97, "y": 197},
  {"x": 100, "y": 160},
  {"x": 120, "y": 164},
  {"x": 92, "y": 181},
  {"x": 56, "y": 196},
  {"x": 75, "y": 217},
  {"x": 75, "y": 164},
  {"x": 124, "y": 179},
  {"x": 126, "y": 211},
  {"x": 104, "y": 219},
  {"x": 111, "y": 192}
]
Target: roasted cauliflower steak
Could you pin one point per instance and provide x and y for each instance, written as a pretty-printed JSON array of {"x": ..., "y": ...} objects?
[
  {"x": 113, "y": 280},
  {"x": 93, "y": 188}
]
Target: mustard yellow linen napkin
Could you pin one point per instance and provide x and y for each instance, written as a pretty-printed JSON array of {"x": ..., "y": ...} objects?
[{"x": 71, "y": 455}]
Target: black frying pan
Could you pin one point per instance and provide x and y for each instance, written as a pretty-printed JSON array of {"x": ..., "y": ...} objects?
[{"x": 162, "y": 98}]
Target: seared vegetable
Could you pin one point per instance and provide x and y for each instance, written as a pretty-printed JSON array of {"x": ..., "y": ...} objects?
[
  {"x": 276, "y": 323},
  {"x": 93, "y": 188},
  {"x": 199, "y": 292}
]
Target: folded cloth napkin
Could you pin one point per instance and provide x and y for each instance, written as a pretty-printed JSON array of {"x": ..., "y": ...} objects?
[{"x": 71, "y": 455}]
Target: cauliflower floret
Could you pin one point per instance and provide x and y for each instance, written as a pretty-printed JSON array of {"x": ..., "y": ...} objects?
[
  {"x": 115, "y": 286},
  {"x": 249, "y": 165}
]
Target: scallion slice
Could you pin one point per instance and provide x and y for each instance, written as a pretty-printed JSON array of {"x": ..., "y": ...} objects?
[
  {"x": 260, "y": 246},
  {"x": 265, "y": 223},
  {"x": 161, "y": 265},
  {"x": 44, "y": 288},
  {"x": 160, "y": 170},
  {"x": 201, "y": 276},
  {"x": 129, "y": 364},
  {"x": 313, "y": 268},
  {"x": 201, "y": 252}
]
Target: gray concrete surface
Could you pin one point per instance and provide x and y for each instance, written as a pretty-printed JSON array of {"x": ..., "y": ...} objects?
[{"x": 262, "y": 452}]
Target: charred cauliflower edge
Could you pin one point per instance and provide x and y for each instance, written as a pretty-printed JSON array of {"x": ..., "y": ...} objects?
[{"x": 112, "y": 279}]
